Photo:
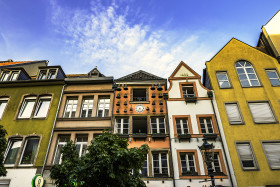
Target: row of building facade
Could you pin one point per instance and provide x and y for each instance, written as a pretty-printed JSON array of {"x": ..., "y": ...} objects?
[{"x": 236, "y": 107}]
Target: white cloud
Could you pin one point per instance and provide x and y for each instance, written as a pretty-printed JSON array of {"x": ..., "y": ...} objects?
[{"x": 103, "y": 36}]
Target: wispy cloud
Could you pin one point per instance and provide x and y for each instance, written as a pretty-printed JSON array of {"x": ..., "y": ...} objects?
[{"x": 104, "y": 35}]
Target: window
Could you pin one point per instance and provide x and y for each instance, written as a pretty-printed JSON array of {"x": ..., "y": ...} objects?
[
  {"x": 81, "y": 144},
  {"x": 273, "y": 77},
  {"x": 27, "y": 107},
  {"x": 62, "y": 140},
  {"x": 158, "y": 125},
  {"x": 272, "y": 152},
  {"x": 144, "y": 171},
  {"x": 4, "y": 183},
  {"x": 223, "y": 80},
  {"x": 139, "y": 95},
  {"x": 47, "y": 74},
  {"x": 86, "y": 110},
  {"x": 246, "y": 74},
  {"x": 160, "y": 164},
  {"x": 233, "y": 113},
  {"x": 3, "y": 104},
  {"x": 187, "y": 163},
  {"x": 70, "y": 108},
  {"x": 216, "y": 164},
  {"x": 122, "y": 125},
  {"x": 103, "y": 107},
  {"x": 262, "y": 112},
  {"x": 206, "y": 125},
  {"x": 140, "y": 125},
  {"x": 182, "y": 126},
  {"x": 12, "y": 151},
  {"x": 188, "y": 91},
  {"x": 42, "y": 107},
  {"x": 29, "y": 151},
  {"x": 9, "y": 76},
  {"x": 246, "y": 156}
]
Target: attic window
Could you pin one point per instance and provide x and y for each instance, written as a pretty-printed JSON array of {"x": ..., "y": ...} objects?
[
  {"x": 47, "y": 74},
  {"x": 139, "y": 95},
  {"x": 9, "y": 75}
]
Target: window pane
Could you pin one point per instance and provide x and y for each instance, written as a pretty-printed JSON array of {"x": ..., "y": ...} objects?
[
  {"x": 51, "y": 74},
  {"x": 42, "y": 107},
  {"x": 62, "y": 140},
  {"x": 86, "y": 109},
  {"x": 13, "y": 147},
  {"x": 246, "y": 74},
  {"x": 70, "y": 108},
  {"x": 27, "y": 107},
  {"x": 14, "y": 76},
  {"x": 223, "y": 80},
  {"x": 3, "y": 104},
  {"x": 273, "y": 77},
  {"x": 30, "y": 151},
  {"x": 5, "y": 76},
  {"x": 233, "y": 113},
  {"x": 272, "y": 152},
  {"x": 262, "y": 113},
  {"x": 42, "y": 75},
  {"x": 246, "y": 155},
  {"x": 103, "y": 107},
  {"x": 275, "y": 82}
]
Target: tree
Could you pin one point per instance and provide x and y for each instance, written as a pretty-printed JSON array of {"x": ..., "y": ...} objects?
[
  {"x": 108, "y": 162},
  {"x": 3, "y": 145}
]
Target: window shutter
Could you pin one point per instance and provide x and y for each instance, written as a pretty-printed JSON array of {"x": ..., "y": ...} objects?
[
  {"x": 244, "y": 151},
  {"x": 233, "y": 113},
  {"x": 261, "y": 113},
  {"x": 272, "y": 151}
]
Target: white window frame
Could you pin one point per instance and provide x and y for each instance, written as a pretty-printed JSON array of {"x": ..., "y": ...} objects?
[
  {"x": 182, "y": 125},
  {"x": 231, "y": 115},
  {"x": 121, "y": 129},
  {"x": 24, "y": 104},
  {"x": 260, "y": 112},
  {"x": 3, "y": 105},
  {"x": 73, "y": 99},
  {"x": 160, "y": 163},
  {"x": 222, "y": 81},
  {"x": 60, "y": 143},
  {"x": 269, "y": 158},
  {"x": 81, "y": 143},
  {"x": 39, "y": 104},
  {"x": 23, "y": 150},
  {"x": 219, "y": 161},
  {"x": 90, "y": 100},
  {"x": 185, "y": 92},
  {"x": 103, "y": 101},
  {"x": 186, "y": 154},
  {"x": 205, "y": 124},
  {"x": 252, "y": 155},
  {"x": 247, "y": 74},
  {"x": 9, "y": 75},
  {"x": 10, "y": 143},
  {"x": 146, "y": 167},
  {"x": 157, "y": 123},
  {"x": 271, "y": 78},
  {"x": 48, "y": 73}
]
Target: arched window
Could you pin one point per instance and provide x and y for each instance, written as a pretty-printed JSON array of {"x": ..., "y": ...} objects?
[{"x": 246, "y": 74}]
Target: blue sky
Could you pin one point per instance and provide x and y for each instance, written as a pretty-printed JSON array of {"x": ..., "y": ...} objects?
[{"x": 123, "y": 36}]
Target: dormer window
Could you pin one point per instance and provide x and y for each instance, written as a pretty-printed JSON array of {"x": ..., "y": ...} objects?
[
  {"x": 9, "y": 76},
  {"x": 47, "y": 74}
]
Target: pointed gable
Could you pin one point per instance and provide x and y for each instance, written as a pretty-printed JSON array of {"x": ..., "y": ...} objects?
[
  {"x": 184, "y": 71},
  {"x": 140, "y": 75},
  {"x": 95, "y": 73}
]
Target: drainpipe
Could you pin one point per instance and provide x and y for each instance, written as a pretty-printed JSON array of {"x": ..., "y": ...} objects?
[
  {"x": 165, "y": 98},
  {"x": 113, "y": 87},
  {"x": 54, "y": 122},
  {"x": 210, "y": 95}
]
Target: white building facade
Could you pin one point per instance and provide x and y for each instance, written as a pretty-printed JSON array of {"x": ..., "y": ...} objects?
[{"x": 192, "y": 117}]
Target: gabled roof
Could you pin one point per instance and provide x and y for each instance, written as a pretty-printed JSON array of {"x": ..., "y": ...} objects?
[
  {"x": 95, "y": 73},
  {"x": 183, "y": 71},
  {"x": 140, "y": 75},
  {"x": 12, "y": 63}
]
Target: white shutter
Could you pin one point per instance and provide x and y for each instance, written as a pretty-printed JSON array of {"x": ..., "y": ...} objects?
[
  {"x": 233, "y": 113},
  {"x": 261, "y": 113},
  {"x": 272, "y": 151},
  {"x": 244, "y": 151}
]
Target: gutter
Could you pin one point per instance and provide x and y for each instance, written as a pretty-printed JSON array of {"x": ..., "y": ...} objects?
[
  {"x": 54, "y": 122},
  {"x": 226, "y": 158}
]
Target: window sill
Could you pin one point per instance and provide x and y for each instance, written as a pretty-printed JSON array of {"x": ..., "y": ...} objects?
[
  {"x": 84, "y": 119},
  {"x": 139, "y": 102},
  {"x": 263, "y": 123},
  {"x": 251, "y": 86},
  {"x": 210, "y": 136},
  {"x": 42, "y": 118}
]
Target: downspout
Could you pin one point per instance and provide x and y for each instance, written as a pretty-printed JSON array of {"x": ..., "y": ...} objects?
[
  {"x": 226, "y": 158},
  {"x": 174, "y": 181},
  {"x": 113, "y": 105},
  {"x": 54, "y": 122}
]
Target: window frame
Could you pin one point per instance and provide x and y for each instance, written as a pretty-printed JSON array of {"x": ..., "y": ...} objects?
[
  {"x": 239, "y": 111},
  {"x": 277, "y": 74},
  {"x": 256, "y": 168},
  {"x": 9, "y": 145},
  {"x": 222, "y": 166},
  {"x": 269, "y": 141},
  {"x": 270, "y": 107},
  {"x": 56, "y": 147},
  {"x": 249, "y": 80},
  {"x": 144, "y": 176},
  {"x": 196, "y": 163},
  {"x": 160, "y": 163},
  {"x": 139, "y": 88},
  {"x": 90, "y": 98},
  {"x": 188, "y": 117},
  {"x": 104, "y": 106},
  {"x": 24, "y": 147},
  {"x": 71, "y": 110},
  {"x": 4, "y": 98},
  {"x": 39, "y": 98},
  {"x": 183, "y": 84},
  {"x": 9, "y": 73},
  {"x": 116, "y": 129},
  {"x": 81, "y": 143},
  {"x": 21, "y": 110},
  {"x": 228, "y": 79},
  {"x": 157, "y": 124},
  {"x": 213, "y": 122},
  {"x": 48, "y": 70}
]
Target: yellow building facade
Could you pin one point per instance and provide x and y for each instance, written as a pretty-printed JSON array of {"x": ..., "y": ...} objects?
[{"x": 246, "y": 84}]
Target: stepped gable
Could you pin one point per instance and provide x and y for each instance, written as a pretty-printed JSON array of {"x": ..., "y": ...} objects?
[{"x": 140, "y": 75}]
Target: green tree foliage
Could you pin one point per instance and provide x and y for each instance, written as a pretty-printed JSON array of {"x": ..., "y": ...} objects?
[
  {"x": 108, "y": 162},
  {"x": 3, "y": 145}
]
